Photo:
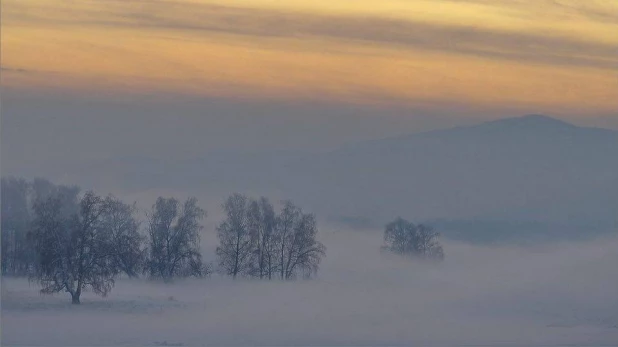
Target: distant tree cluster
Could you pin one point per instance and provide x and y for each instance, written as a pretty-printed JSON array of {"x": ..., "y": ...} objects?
[
  {"x": 255, "y": 241},
  {"x": 72, "y": 242},
  {"x": 408, "y": 239}
]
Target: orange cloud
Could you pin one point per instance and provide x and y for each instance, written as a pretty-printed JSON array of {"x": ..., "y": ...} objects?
[{"x": 372, "y": 51}]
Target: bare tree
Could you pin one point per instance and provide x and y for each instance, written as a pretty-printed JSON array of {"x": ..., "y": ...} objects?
[
  {"x": 236, "y": 242},
  {"x": 75, "y": 250},
  {"x": 255, "y": 241},
  {"x": 405, "y": 238},
  {"x": 173, "y": 231},
  {"x": 127, "y": 241},
  {"x": 400, "y": 237},
  {"x": 284, "y": 231},
  {"x": 295, "y": 237},
  {"x": 428, "y": 245},
  {"x": 261, "y": 221}
]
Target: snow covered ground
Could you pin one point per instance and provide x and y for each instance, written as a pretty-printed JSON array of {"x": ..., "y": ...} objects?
[{"x": 561, "y": 294}]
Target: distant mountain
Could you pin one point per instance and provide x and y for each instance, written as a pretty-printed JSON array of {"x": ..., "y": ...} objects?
[
  {"x": 531, "y": 168},
  {"x": 527, "y": 171}
]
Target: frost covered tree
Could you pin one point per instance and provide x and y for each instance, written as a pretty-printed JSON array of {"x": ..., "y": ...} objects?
[
  {"x": 256, "y": 241},
  {"x": 236, "y": 241},
  {"x": 174, "y": 240},
  {"x": 261, "y": 221},
  {"x": 405, "y": 238},
  {"x": 75, "y": 246},
  {"x": 298, "y": 251},
  {"x": 127, "y": 241}
]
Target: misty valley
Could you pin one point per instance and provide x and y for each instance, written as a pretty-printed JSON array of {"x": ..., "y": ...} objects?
[
  {"x": 423, "y": 173},
  {"x": 342, "y": 267}
]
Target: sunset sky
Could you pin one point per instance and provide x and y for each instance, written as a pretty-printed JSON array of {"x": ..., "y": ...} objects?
[
  {"x": 552, "y": 55},
  {"x": 274, "y": 74}
]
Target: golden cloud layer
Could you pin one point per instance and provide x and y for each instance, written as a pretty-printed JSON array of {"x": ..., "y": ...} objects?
[{"x": 553, "y": 55}]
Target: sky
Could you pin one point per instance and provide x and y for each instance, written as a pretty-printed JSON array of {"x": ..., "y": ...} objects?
[
  {"x": 554, "y": 55},
  {"x": 89, "y": 88},
  {"x": 267, "y": 74}
]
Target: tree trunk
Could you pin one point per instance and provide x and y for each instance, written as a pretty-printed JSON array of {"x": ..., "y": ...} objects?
[{"x": 75, "y": 298}]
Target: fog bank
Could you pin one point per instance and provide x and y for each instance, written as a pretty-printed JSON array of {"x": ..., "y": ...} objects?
[{"x": 563, "y": 293}]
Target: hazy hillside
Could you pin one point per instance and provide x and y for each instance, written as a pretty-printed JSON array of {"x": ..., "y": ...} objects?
[
  {"x": 532, "y": 168},
  {"x": 529, "y": 174}
]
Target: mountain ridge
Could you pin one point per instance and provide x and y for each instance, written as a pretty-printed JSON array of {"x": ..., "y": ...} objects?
[{"x": 529, "y": 125}]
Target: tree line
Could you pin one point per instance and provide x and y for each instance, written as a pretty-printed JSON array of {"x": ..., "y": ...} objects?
[{"x": 69, "y": 242}]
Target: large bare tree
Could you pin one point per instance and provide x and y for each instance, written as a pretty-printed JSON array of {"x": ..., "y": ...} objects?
[
  {"x": 174, "y": 240},
  {"x": 75, "y": 250}
]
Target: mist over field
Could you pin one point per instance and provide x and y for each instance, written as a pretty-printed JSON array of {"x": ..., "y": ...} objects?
[
  {"x": 309, "y": 173},
  {"x": 562, "y": 294},
  {"x": 525, "y": 208}
]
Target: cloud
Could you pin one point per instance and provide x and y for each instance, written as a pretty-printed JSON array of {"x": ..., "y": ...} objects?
[
  {"x": 599, "y": 11},
  {"x": 293, "y": 51},
  {"x": 477, "y": 40},
  {"x": 11, "y": 69}
]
